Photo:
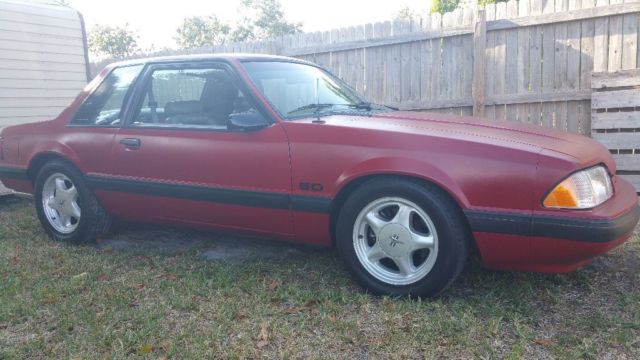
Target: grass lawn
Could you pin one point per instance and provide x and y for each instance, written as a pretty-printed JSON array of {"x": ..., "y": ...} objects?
[{"x": 119, "y": 300}]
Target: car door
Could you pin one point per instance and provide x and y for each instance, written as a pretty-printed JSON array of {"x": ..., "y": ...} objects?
[
  {"x": 91, "y": 130},
  {"x": 176, "y": 159}
]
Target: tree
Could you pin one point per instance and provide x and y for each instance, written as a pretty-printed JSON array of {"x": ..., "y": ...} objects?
[
  {"x": 444, "y": 6},
  {"x": 484, "y": 3},
  {"x": 199, "y": 31},
  {"x": 263, "y": 19},
  {"x": 113, "y": 41},
  {"x": 407, "y": 14}
]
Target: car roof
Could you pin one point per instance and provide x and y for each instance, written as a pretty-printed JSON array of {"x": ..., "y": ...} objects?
[{"x": 207, "y": 57}]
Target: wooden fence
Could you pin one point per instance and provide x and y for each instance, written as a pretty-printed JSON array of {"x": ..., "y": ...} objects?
[
  {"x": 616, "y": 119},
  {"x": 527, "y": 60}
]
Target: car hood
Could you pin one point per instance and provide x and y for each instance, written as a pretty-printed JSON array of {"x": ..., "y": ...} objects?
[{"x": 499, "y": 133}]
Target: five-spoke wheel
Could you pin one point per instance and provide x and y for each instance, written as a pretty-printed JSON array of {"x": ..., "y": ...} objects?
[
  {"x": 60, "y": 203},
  {"x": 68, "y": 210},
  {"x": 395, "y": 240},
  {"x": 400, "y": 236}
]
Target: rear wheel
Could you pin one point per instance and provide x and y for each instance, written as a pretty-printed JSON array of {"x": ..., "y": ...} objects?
[
  {"x": 402, "y": 237},
  {"x": 68, "y": 210}
]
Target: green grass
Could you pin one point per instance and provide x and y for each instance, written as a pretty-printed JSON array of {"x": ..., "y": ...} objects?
[{"x": 63, "y": 301}]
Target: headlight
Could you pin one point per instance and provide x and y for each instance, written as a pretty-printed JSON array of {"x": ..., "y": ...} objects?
[{"x": 583, "y": 190}]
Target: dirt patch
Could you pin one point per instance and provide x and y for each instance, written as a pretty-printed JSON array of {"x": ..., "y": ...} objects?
[{"x": 215, "y": 246}]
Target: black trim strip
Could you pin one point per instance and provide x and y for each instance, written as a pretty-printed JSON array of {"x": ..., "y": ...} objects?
[
  {"x": 271, "y": 200},
  {"x": 587, "y": 230},
  {"x": 319, "y": 204},
  {"x": 13, "y": 173}
]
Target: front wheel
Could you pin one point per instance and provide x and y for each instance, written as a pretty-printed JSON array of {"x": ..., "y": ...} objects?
[
  {"x": 402, "y": 237},
  {"x": 68, "y": 210}
]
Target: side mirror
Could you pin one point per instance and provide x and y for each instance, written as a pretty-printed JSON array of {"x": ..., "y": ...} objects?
[{"x": 247, "y": 121}]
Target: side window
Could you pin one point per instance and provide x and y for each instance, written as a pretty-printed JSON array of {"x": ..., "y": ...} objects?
[
  {"x": 103, "y": 107},
  {"x": 190, "y": 98}
]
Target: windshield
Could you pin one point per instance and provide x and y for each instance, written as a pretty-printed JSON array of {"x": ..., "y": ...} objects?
[{"x": 299, "y": 90}]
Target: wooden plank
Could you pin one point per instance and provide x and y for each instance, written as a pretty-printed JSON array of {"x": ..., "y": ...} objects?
[
  {"x": 548, "y": 6},
  {"x": 507, "y": 99},
  {"x": 548, "y": 58},
  {"x": 627, "y": 161},
  {"x": 615, "y": 43},
  {"x": 500, "y": 63},
  {"x": 535, "y": 59},
  {"x": 629, "y": 41},
  {"x": 387, "y": 61},
  {"x": 479, "y": 80},
  {"x": 446, "y": 73},
  {"x": 615, "y": 99},
  {"x": 414, "y": 72},
  {"x": 560, "y": 120},
  {"x": 433, "y": 104},
  {"x": 436, "y": 58},
  {"x": 395, "y": 67},
  {"x": 622, "y": 141},
  {"x": 581, "y": 14},
  {"x": 616, "y": 120},
  {"x": 586, "y": 52},
  {"x": 603, "y": 80},
  {"x": 425, "y": 64},
  {"x": 458, "y": 65},
  {"x": 386, "y": 40},
  {"x": 574, "y": 56},
  {"x": 523, "y": 67},
  {"x": 490, "y": 62},
  {"x": 601, "y": 45},
  {"x": 569, "y": 95},
  {"x": 375, "y": 67},
  {"x": 633, "y": 179}
]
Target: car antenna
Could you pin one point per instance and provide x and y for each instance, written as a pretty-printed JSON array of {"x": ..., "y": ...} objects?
[{"x": 317, "y": 120}]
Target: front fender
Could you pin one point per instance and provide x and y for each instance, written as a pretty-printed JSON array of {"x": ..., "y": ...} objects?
[{"x": 402, "y": 167}]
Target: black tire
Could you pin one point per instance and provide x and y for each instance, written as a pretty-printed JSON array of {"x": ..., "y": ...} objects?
[
  {"x": 93, "y": 223},
  {"x": 452, "y": 232}
]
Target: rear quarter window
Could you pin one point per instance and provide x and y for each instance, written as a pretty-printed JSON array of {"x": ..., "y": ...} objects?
[{"x": 104, "y": 106}]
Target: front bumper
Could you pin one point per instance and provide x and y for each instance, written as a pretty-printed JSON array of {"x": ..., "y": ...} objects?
[{"x": 555, "y": 242}]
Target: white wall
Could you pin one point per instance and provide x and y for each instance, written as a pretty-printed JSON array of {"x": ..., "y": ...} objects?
[{"x": 42, "y": 60}]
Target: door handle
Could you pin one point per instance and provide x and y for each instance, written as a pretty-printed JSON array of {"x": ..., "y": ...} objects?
[{"x": 131, "y": 142}]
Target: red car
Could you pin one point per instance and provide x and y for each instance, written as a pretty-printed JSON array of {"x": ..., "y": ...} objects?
[{"x": 280, "y": 147}]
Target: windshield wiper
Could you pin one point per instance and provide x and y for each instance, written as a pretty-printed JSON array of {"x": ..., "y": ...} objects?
[
  {"x": 317, "y": 107},
  {"x": 361, "y": 105},
  {"x": 311, "y": 107}
]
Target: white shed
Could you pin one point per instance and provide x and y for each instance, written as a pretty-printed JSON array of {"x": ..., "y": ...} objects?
[{"x": 43, "y": 60}]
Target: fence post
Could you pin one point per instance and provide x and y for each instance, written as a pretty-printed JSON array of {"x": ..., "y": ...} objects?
[{"x": 479, "y": 45}]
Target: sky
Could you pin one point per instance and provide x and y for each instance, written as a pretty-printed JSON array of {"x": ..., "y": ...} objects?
[{"x": 156, "y": 21}]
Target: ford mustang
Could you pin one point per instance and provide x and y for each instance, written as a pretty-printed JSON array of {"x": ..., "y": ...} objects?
[{"x": 279, "y": 147}]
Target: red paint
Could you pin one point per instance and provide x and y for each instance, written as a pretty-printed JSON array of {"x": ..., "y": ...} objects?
[{"x": 497, "y": 166}]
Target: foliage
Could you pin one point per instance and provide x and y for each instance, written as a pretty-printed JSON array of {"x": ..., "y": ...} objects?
[
  {"x": 487, "y": 2},
  {"x": 263, "y": 19},
  {"x": 113, "y": 41},
  {"x": 444, "y": 6},
  {"x": 199, "y": 31},
  {"x": 407, "y": 14}
]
